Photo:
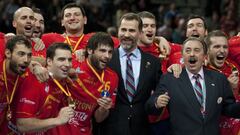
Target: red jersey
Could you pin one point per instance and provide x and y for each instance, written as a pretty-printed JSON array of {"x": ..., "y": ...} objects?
[
  {"x": 229, "y": 126},
  {"x": 42, "y": 101},
  {"x": 8, "y": 126},
  {"x": 75, "y": 42},
  {"x": 88, "y": 88},
  {"x": 41, "y": 53},
  {"x": 234, "y": 49},
  {"x": 175, "y": 54}
]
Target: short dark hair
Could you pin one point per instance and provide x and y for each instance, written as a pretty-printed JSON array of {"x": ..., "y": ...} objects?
[
  {"x": 73, "y": 5},
  {"x": 199, "y": 39},
  {"x": 194, "y": 16},
  {"x": 18, "y": 39},
  {"x": 51, "y": 50},
  {"x": 130, "y": 17},
  {"x": 36, "y": 10},
  {"x": 146, "y": 14},
  {"x": 215, "y": 33},
  {"x": 99, "y": 39}
]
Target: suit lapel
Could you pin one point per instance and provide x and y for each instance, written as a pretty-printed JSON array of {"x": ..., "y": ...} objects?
[
  {"x": 188, "y": 91},
  {"x": 142, "y": 73},
  {"x": 210, "y": 92}
]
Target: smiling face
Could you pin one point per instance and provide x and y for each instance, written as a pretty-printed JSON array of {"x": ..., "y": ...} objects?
[
  {"x": 218, "y": 51},
  {"x": 193, "y": 55},
  {"x": 128, "y": 34},
  {"x": 61, "y": 63},
  {"x": 73, "y": 20},
  {"x": 100, "y": 57},
  {"x": 24, "y": 22},
  {"x": 149, "y": 30}
]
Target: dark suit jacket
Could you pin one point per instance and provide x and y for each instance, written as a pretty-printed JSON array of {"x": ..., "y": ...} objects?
[
  {"x": 184, "y": 108},
  {"x": 131, "y": 118}
]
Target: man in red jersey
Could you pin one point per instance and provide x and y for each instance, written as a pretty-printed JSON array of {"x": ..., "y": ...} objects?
[
  {"x": 39, "y": 23},
  {"x": 96, "y": 84},
  {"x": 73, "y": 20},
  {"x": 196, "y": 27},
  {"x": 24, "y": 22},
  {"x": 13, "y": 68},
  {"x": 42, "y": 107},
  {"x": 147, "y": 37},
  {"x": 217, "y": 60},
  {"x": 160, "y": 124}
]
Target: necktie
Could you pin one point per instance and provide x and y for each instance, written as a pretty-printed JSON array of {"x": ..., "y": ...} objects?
[
  {"x": 199, "y": 91},
  {"x": 130, "y": 83}
]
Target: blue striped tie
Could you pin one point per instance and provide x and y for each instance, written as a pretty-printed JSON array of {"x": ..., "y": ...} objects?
[{"x": 130, "y": 83}]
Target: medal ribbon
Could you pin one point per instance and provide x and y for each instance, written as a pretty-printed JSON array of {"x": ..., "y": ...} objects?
[
  {"x": 77, "y": 44},
  {"x": 66, "y": 92},
  {"x": 85, "y": 89},
  {"x": 9, "y": 101},
  {"x": 100, "y": 78}
]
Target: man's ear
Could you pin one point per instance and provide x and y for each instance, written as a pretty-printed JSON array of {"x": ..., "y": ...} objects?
[
  {"x": 7, "y": 53},
  {"x": 89, "y": 51},
  {"x": 49, "y": 61},
  {"x": 85, "y": 20},
  {"x": 62, "y": 23},
  {"x": 14, "y": 24},
  {"x": 206, "y": 32}
]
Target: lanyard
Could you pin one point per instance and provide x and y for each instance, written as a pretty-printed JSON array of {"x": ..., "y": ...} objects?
[
  {"x": 77, "y": 44},
  {"x": 9, "y": 101},
  {"x": 100, "y": 78},
  {"x": 66, "y": 92}
]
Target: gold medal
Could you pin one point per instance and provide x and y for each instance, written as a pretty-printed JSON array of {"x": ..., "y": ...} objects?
[
  {"x": 71, "y": 102},
  {"x": 9, "y": 115}
]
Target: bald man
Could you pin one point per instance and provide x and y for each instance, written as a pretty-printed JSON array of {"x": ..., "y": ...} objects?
[{"x": 23, "y": 21}]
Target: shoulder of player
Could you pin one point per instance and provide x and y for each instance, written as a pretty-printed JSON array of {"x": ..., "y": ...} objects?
[
  {"x": 30, "y": 77},
  {"x": 51, "y": 34}
]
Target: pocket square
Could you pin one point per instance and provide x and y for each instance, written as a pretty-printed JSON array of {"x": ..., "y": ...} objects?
[{"x": 212, "y": 84}]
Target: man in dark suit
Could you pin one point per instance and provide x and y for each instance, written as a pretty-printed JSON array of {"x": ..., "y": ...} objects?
[
  {"x": 197, "y": 98},
  {"x": 138, "y": 75}
]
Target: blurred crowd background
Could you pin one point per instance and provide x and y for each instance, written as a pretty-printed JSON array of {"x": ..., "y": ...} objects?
[{"x": 103, "y": 15}]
